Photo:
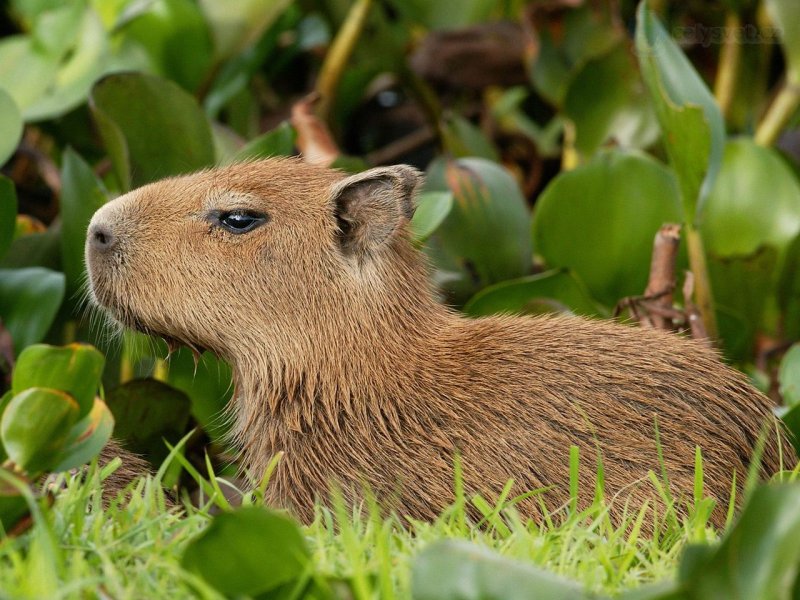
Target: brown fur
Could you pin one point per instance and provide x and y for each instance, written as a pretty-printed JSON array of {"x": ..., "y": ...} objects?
[{"x": 345, "y": 360}]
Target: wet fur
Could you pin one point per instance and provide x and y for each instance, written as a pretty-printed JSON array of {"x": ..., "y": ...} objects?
[{"x": 345, "y": 360}]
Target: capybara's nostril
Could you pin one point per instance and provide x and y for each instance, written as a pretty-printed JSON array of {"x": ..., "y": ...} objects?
[{"x": 101, "y": 238}]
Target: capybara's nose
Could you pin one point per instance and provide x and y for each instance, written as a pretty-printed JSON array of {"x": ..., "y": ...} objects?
[{"x": 101, "y": 238}]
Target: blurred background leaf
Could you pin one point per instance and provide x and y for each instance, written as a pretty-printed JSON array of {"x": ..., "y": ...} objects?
[{"x": 617, "y": 202}]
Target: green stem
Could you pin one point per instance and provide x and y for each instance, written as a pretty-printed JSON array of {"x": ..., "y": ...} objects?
[
  {"x": 702, "y": 287},
  {"x": 730, "y": 60},
  {"x": 338, "y": 54},
  {"x": 779, "y": 114}
]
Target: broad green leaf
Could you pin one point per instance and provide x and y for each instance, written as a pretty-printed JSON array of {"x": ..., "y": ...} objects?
[
  {"x": 29, "y": 301},
  {"x": 75, "y": 369},
  {"x": 81, "y": 195},
  {"x": 35, "y": 427},
  {"x": 785, "y": 15},
  {"x": 432, "y": 210},
  {"x": 791, "y": 419},
  {"x": 147, "y": 412},
  {"x": 237, "y": 26},
  {"x": 33, "y": 249},
  {"x": 789, "y": 376},
  {"x": 277, "y": 142},
  {"x": 25, "y": 70},
  {"x": 8, "y": 212},
  {"x": 176, "y": 37},
  {"x": 485, "y": 235},
  {"x": 566, "y": 45},
  {"x": 54, "y": 29},
  {"x": 789, "y": 290},
  {"x": 691, "y": 122},
  {"x": 743, "y": 286},
  {"x": 759, "y": 557},
  {"x": 151, "y": 128},
  {"x": 247, "y": 552},
  {"x": 208, "y": 385},
  {"x": 596, "y": 95},
  {"x": 549, "y": 292},
  {"x": 84, "y": 62},
  {"x": 87, "y": 437},
  {"x": 755, "y": 202},
  {"x": 599, "y": 220},
  {"x": 459, "y": 570},
  {"x": 10, "y": 133}
]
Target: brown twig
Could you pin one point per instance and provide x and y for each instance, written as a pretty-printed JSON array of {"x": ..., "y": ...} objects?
[
  {"x": 314, "y": 139},
  {"x": 696, "y": 325},
  {"x": 400, "y": 147},
  {"x": 661, "y": 285}
]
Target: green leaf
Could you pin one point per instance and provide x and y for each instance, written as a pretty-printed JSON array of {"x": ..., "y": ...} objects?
[
  {"x": 147, "y": 412},
  {"x": 38, "y": 249},
  {"x": 599, "y": 220},
  {"x": 486, "y": 232},
  {"x": 248, "y": 552},
  {"x": 35, "y": 427},
  {"x": 566, "y": 45},
  {"x": 29, "y": 302},
  {"x": 151, "y": 128},
  {"x": 552, "y": 291},
  {"x": 759, "y": 557},
  {"x": 277, "y": 142},
  {"x": 208, "y": 384},
  {"x": 10, "y": 129},
  {"x": 743, "y": 287},
  {"x": 458, "y": 570},
  {"x": 25, "y": 70},
  {"x": 432, "y": 210},
  {"x": 87, "y": 437},
  {"x": 597, "y": 96},
  {"x": 13, "y": 505},
  {"x": 5, "y": 399},
  {"x": 789, "y": 376},
  {"x": 75, "y": 369},
  {"x": 691, "y": 122},
  {"x": 462, "y": 139},
  {"x": 81, "y": 195},
  {"x": 791, "y": 419},
  {"x": 785, "y": 14},
  {"x": 237, "y": 26},
  {"x": 176, "y": 38},
  {"x": 739, "y": 218},
  {"x": 789, "y": 290},
  {"x": 84, "y": 61},
  {"x": 8, "y": 212}
]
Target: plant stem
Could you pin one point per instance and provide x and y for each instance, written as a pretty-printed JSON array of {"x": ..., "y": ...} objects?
[
  {"x": 338, "y": 55},
  {"x": 704, "y": 298},
  {"x": 779, "y": 114},
  {"x": 730, "y": 60},
  {"x": 569, "y": 154}
]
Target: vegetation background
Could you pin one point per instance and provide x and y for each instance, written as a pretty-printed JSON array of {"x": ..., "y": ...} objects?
[{"x": 557, "y": 136}]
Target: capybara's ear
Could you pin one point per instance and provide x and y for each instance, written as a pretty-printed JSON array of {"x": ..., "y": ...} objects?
[{"x": 370, "y": 206}]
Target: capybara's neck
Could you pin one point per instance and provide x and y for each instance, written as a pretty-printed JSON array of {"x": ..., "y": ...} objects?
[{"x": 358, "y": 352}]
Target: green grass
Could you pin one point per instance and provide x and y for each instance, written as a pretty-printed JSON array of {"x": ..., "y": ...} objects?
[{"x": 79, "y": 548}]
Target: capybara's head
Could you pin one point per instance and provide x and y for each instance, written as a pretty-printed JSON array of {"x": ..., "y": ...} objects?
[{"x": 267, "y": 249}]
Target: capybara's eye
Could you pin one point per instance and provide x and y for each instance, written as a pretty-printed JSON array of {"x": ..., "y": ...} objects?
[{"x": 240, "y": 221}]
